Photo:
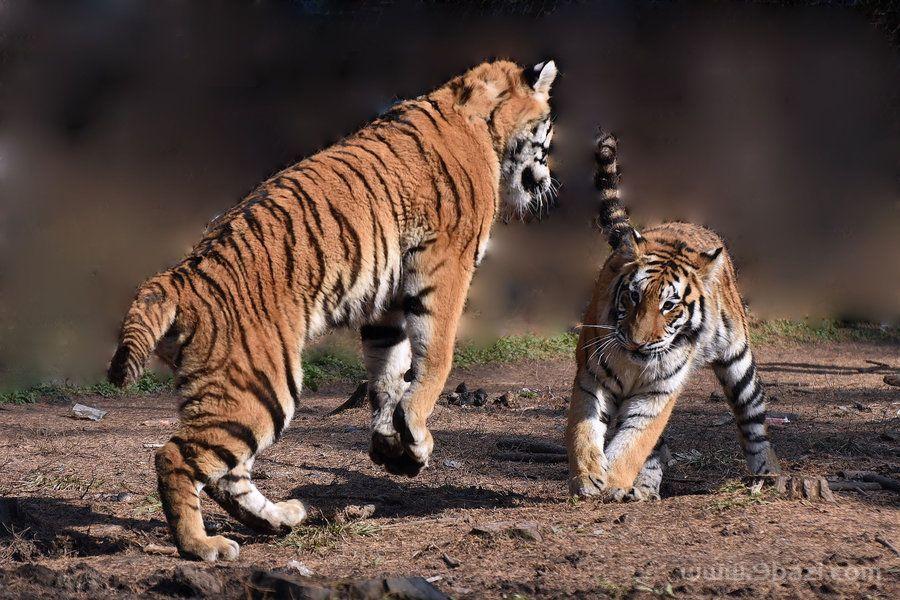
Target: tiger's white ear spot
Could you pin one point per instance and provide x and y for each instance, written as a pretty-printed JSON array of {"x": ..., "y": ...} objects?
[
  {"x": 713, "y": 263},
  {"x": 546, "y": 73},
  {"x": 713, "y": 254}
]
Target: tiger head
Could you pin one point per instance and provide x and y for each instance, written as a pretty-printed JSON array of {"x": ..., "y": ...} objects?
[
  {"x": 515, "y": 104},
  {"x": 659, "y": 298}
]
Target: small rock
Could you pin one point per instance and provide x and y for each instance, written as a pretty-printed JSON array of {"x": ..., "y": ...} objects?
[
  {"x": 479, "y": 397},
  {"x": 597, "y": 531},
  {"x": 295, "y": 566},
  {"x": 891, "y": 435},
  {"x": 450, "y": 561},
  {"x": 526, "y": 530},
  {"x": 461, "y": 389},
  {"x": 453, "y": 464},
  {"x": 410, "y": 588},
  {"x": 197, "y": 581},
  {"x": 620, "y": 519},
  {"x": 454, "y": 399},
  {"x": 893, "y": 380},
  {"x": 355, "y": 513},
  {"x": 123, "y": 497},
  {"x": 281, "y": 585},
  {"x": 504, "y": 400},
  {"x": 89, "y": 413}
]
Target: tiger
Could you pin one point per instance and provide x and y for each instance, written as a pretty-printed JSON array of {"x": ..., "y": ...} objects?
[
  {"x": 664, "y": 303},
  {"x": 381, "y": 231}
]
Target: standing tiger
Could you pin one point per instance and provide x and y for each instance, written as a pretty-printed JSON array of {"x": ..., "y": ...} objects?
[
  {"x": 383, "y": 231},
  {"x": 666, "y": 301}
]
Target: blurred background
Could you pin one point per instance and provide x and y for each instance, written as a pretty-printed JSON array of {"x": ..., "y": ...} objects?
[{"x": 126, "y": 125}]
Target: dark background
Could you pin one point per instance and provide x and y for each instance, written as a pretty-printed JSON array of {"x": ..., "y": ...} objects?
[{"x": 126, "y": 125}]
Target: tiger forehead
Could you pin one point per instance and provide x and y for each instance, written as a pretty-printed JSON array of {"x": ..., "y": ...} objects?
[{"x": 664, "y": 282}]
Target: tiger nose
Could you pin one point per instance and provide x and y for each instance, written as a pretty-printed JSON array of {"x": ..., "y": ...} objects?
[{"x": 528, "y": 180}]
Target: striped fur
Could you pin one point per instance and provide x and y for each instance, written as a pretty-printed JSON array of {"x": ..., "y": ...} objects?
[
  {"x": 664, "y": 303},
  {"x": 381, "y": 231}
]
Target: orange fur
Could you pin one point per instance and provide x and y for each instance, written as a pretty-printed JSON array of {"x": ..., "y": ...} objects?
[{"x": 384, "y": 230}]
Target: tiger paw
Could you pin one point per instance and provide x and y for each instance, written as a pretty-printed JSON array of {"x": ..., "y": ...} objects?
[
  {"x": 292, "y": 512},
  {"x": 638, "y": 494},
  {"x": 587, "y": 485},
  {"x": 210, "y": 549},
  {"x": 415, "y": 439},
  {"x": 388, "y": 450}
]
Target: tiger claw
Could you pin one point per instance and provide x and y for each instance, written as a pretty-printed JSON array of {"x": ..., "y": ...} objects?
[{"x": 586, "y": 486}]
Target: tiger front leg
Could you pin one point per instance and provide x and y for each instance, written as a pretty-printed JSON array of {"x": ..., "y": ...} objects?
[
  {"x": 590, "y": 411},
  {"x": 434, "y": 291},
  {"x": 634, "y": 474}
]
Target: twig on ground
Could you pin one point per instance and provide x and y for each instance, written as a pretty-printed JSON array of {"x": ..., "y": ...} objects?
[
  {"x": 876, "y": 367},
  {"x": 884, "y": 542},
  {"x": 887, "y": 483}
]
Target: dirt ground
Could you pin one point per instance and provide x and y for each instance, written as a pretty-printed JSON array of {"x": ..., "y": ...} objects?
[{"x": 85, "y": 506}]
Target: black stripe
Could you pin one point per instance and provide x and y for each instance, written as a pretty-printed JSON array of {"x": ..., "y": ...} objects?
[
  {"x": 604, "y": 416},
  {"x": 234, "y": 429},
  {"x": 743, "y": 382},
  {"x": 413, "y": 305},
  {"x": 382, "y": 336},
  {"x": 724, "y": 364}
]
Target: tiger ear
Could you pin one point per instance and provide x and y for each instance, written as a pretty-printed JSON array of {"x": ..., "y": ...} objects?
[
  {"x": 541, "y": 76},
  {"x": 711, "y": 262}
]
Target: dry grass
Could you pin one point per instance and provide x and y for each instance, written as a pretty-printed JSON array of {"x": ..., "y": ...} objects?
[
  {"x": 736, "y": 494},
  {"x": 325, "y": 537}
]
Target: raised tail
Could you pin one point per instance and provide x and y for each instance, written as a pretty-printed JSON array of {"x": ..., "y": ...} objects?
[
  {"x": 150, "y": 316},
  {"x": 613, "y": 218}
]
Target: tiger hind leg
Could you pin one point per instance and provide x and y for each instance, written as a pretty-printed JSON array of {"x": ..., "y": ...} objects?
[
  {"x": 388, "y": 357},
  {"x": 736, "y": 371},
  {"x": 182, "y": 468},
  {"x": 236, "y": 493}
]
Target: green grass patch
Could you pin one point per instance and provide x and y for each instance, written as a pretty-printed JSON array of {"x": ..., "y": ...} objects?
[
  {"x": 516, "y": 347},
  {"x": 332, "y": 365},
  {"x": 824, "y": 330},
  {"x": 328, "y": 366},
  {"x": 149, "y": 383}
]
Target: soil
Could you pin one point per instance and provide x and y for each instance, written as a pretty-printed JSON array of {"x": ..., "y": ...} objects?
[{"x": 79, "y": 496}]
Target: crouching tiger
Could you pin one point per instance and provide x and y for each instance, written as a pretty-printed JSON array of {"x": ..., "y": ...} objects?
[
  {"x": 665, "y": 301},
  {"x": 383, "y": 230}
]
